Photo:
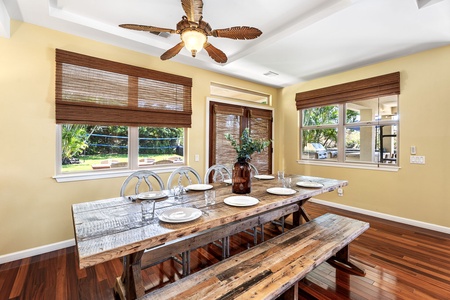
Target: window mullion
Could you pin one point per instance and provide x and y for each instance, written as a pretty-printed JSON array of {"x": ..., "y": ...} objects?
[
  {"x": 341, "y": 134},
  {"x": 133, "y": 147}
]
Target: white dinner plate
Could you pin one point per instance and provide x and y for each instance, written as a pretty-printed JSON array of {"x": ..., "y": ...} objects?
[
  {"x": 309, "y": 184},
  {"x": 281, "y": 191},
  {"x": 264, "y": 177},
  {"x": 179, "y": 215},
  {"x": 199, "y": 187},
  {"x": 228, "y": 181},
  {"x": 151, "y": 195},
  {"x": 241, "y": 201}
]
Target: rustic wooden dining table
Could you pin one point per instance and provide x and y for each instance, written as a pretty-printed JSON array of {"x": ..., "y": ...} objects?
[{"x": 113, "y": 228}]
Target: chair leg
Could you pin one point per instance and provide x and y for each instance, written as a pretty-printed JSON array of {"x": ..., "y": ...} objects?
[{"x": 262, "y": 233}]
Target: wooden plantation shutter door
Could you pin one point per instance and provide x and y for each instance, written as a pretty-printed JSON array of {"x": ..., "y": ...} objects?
[
  {"x": 95, "y": 91},
  {"x": 228, "y": 118}
]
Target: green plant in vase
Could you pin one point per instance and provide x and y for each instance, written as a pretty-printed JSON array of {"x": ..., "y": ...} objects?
[{"x": 245, "y": 147}]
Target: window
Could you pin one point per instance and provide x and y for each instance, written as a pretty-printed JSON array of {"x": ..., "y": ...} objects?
[
  {"x": 114, "y": 116},
  {"x": 351, "y": 130},
  {"x": 98, "y": 148}
]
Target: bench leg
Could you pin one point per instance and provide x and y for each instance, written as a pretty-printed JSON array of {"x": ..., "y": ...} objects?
[
  {"x": 130, "y": 285},
  {"x": 290, "y": 294},
  {"x": 342, "y": 262}
]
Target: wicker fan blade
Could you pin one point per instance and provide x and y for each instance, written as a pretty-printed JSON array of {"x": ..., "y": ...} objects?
[
  {"x": 172, "y": 51},
  {"x": 215, "y": 53},
  {"x": 147, "y": 28},
  {"x": 193, "y": 9},
  {"x": 237, "y": 33}
]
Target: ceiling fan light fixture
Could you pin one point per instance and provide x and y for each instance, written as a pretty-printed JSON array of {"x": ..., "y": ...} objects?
[{"x": 193, "y": 40}]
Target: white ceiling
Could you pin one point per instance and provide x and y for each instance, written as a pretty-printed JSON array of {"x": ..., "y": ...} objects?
[{"x": 301, "y": 40}]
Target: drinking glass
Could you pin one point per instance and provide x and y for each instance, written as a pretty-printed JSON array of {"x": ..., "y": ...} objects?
[
  {"x": 287, "y": 182},
  {"x": 178, "y": 193},
  {"x": 148, "y": 211},
  {"x": 280, "y": 175},
  {"x": 210, "y": 197}
]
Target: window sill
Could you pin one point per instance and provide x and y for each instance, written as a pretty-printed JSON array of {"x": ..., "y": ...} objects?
[
  {"x": 93, "y": 175},
  {"x": 350, "y": 165}
]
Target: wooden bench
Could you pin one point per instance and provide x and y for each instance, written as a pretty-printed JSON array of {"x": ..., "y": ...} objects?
[
  {"x": 184, "y": 245},
  {"x": 273, "y": 268}
]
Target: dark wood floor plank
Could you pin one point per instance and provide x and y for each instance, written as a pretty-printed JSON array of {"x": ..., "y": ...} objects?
[
  {"x": 20, "y": 279},
  {"x": 401, "y": 262}
]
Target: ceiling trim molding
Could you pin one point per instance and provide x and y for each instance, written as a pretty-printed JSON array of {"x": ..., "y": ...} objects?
[
  {"x": 56, "y": 12},
  {"x": 5, "y": 21},
  {"x": 423, "y": 3}
]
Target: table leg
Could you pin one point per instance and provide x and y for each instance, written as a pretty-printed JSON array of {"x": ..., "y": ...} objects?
[
  {"x": 301, "y": 213},
  {"x": 130, "y": 285},
  {"x": 342, "y": 262}
]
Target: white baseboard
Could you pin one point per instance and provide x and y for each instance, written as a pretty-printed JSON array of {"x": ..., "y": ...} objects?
[
  {"x": 36, "y": 251},
  {"x": 411, "y": 222}
]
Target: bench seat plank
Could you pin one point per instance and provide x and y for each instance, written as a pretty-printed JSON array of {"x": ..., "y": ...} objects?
[{"x": 271, "y": 268}]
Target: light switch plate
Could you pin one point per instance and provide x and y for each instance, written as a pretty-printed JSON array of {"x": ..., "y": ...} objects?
[{"x": 413, "y": 150}]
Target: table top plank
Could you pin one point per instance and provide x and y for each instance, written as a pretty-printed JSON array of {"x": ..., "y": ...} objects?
[{"x": 112, "y": 228}]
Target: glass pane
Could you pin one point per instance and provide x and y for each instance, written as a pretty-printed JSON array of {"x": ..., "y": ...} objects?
[
  {"x": 386, "y": 144},
  {"x": 383, "y": 108},
  {"x": 160, "y": 146},
  {"x": 86, "y": 148},
  {"x": 325, "y": 115},
  {"x": 319, "y": 144},
  {"x": 363, "y": 144}
]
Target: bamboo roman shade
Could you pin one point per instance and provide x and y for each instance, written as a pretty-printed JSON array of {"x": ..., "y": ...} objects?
[
  {"x": 374, "y": 87},
  {"x": 95, "y": 91}
]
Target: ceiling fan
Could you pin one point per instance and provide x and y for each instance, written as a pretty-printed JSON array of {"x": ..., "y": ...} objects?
[{"x": 194, "y": 32}]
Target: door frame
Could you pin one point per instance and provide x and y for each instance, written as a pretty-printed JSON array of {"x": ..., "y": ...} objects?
[{"x": 237, "y": 103}]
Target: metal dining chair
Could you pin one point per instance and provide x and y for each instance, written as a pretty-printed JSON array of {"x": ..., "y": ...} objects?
[
  {"x": 183, "y": 174},
  {"x": 254, "y": 170},
  {"x": 180, "y": 176},
  {"x": 143, "y": 176},
  {"x": 219, "y": 173}
]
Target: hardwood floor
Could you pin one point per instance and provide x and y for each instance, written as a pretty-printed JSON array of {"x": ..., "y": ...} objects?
[{"x": 401, "y": 262}]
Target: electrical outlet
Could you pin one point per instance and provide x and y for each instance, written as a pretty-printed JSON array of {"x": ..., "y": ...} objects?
[
  {"x": 197, "y": 157},
  {"x": 340, "y": 192},
  {"x": 413, "y": 150},
  {"x": 416, "y": 159}
]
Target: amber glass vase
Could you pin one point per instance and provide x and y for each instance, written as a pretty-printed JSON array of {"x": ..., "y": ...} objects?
[{"x": 242, "y": 180}]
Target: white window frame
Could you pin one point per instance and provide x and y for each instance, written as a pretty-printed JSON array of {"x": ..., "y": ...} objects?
[
  {"x": 133, "y": 155},
  {"x": 341, "y": 127}
]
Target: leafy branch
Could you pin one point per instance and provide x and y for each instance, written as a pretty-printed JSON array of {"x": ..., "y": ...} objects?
[{"x": 247, "y": 145}]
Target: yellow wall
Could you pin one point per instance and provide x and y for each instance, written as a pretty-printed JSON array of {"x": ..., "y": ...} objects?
[
  {"x": 417, "y": 192},
  {"x": 35, "y": 210}
]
